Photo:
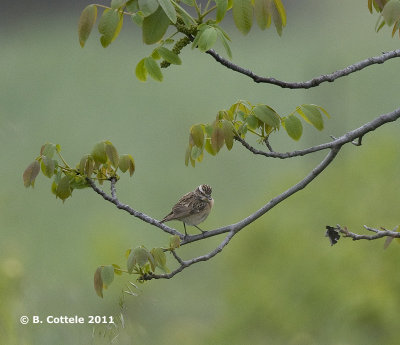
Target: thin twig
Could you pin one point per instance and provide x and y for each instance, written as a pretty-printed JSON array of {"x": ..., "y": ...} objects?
[
  {"x": 310, "y": 83},
  {"x": 378, "y": 233}
]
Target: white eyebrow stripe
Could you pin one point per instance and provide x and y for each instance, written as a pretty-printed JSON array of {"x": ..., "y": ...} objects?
[{"x": 201, "y": 189}]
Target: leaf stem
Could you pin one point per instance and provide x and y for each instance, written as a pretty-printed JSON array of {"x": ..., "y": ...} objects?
[{"x": 207, "y": 12}]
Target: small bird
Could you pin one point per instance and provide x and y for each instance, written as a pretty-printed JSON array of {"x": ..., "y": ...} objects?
[{"x": 193, "y": 208}]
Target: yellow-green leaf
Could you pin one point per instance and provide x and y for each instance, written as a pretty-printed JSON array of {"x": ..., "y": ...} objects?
[
  {"x": 63, "y": 190},
  {"x": 112, "y": 153},
  {"x": 86, "y": 23},
  {"x": 243, "y": 15},
  {"x": 222, "y": 7},
  {"x": 293, "y": 126},
  {"x": 263, "y": 16},
  {"x": 228, "y": 129},
  {"x": 140, "y": 71},
  {"x": 174, "y": 242},
  {"x": 169, "y": 56},
  {"x": 110, "y": 25},
  {"x": 99, "y": 153},
  {"x": 311, "y": 114},
  {"x": 153, "y": 68},
  {"x": 197, "y": 135},
  {"x": 267, "y": 115},
  {"x": 31, "y": 173},
  {"x": 126, "y": 162},
  {"x": 207, "y": 39}
]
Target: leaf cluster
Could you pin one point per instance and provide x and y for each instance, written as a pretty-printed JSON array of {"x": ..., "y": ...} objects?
[
  {"x": 154, "y": 17},
  {"x": 140, "y": 261},
  {"x": 389, "y": 14},
  {"x": 101, "y": 164},
  {"x": 242, "y": 118}
]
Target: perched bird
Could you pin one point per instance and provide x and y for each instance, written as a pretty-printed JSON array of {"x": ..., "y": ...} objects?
[{"x": 193, "y": 208}]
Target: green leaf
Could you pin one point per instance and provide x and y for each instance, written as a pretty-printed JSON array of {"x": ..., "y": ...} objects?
[
  {"x": 293, "y": 126},
  {"x": 140, "y": 71},
  {"x": 311, "y": 114},
  {"x": 115, "y": 4},
  {"x": 107, "y": 275},
  {"x": 281, "y": 11},
  {"x": 126, "y": 162},
  {"x": 196, "y": 152},
  {"x": 132, "y": 6},
  {"x": 153, "y": 68},
  {"x": 186, "y": 17},
  {"x": 243, "y": 15},
  {"x": 169, "y": 56},
  {"x": 99, "y": 153},
  {"x": 31, "y": 173},
  {"x": 148, "y": 6},
  {"x": 225, "y": 43},
  {"x": 174, "y": 242},
  {"x": 112, "y": 153},
  {"x": 138, "y": 256},
  {"x": 222, "y": 7},
  {"x": 98, "y": 282},
  {"x": 138, "y": 18},
  {"x": 267, "y": 115},
  {"x": 276, "y": 13},
  {"x": 217, "y": 139},
  {"x": 169, "y": 9},
  {"x": 228, "y": 129},
  {"x": 252, "y": 122},
  {"x": 263, "y": 16},
  {"x": 110, "y": 25},
  {"x": 48, "y": 150},
  {"x": 86, "y": 165},
  {"x": 63, "y": 190},
  {"x": 86, "y": 23},
  {"x": 155, "y": 26},
  {"x": 78, "y": 182},
  {"x": 48, "y": 165},
  {"x": 391, "y": 12},
  {"x": 207, "y": 39},
  {"x": 209, "y": 147},
  {"x": 197, "y": 135},
  {"x": 324, "y": 111},
  {"x": 187, "y": 154},
  {"x": 160, "y": 258}
]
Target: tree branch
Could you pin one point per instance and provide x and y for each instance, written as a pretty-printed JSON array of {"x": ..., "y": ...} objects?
[
  {"x": 355, "y": 137},
  {"x": 378, "y": 233},
  {"x": 334, "y": 148},
  {"x": 187, "y": 263},
  {"x": 310, "y": 83},
  {"x": 130, "y": 210}
]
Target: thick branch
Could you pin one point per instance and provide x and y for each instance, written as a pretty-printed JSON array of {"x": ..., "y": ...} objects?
[
  {"x": 357, "y": 133},
  {"x": 310, "y": 83}
]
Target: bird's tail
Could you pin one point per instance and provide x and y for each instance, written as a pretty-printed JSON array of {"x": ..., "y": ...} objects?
[{"x": 167, "y": 218}]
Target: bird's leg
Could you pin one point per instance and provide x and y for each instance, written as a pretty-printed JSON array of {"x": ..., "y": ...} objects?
[
  {"x": 184, "y": 225},
  {"x": 202, "y": 231}
]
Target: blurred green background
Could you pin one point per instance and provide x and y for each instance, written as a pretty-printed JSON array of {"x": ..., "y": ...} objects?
[{"x": 278, "y": 281}]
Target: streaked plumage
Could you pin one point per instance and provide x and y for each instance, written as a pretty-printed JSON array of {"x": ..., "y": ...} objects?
[{"x": 193, "y": 208}]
